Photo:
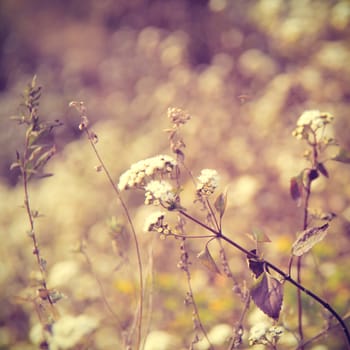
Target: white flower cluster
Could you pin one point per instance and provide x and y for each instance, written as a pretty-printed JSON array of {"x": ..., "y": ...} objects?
[
  {"x": 68, "y": 332},
  {"x": 155, "y": 223},
  {"x": 140, "y": 172},
  {"x": 158, "y": 192},
  {"x": 260, "y": 334},
  {"x": 311, "y": 120},
  {"x": 207, "y": 182}
]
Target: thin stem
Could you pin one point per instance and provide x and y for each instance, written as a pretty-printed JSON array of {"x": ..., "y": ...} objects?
[
  {"x": 212, "y": 215},
  {"x": 138, "y": 252},
  {"x": 103, "y": 294},
  {"x": 285, "y": 276},
  {"x": 178, "y": 235},
  {"x": 305, "y": 225},
  {"x": 36, "y": 250},
  {"x": 185, "y": 268}
]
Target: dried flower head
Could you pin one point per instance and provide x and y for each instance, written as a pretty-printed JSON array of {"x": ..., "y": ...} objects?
[
  {"x": 140, "y": 172},
  {"x": 207, "y": 182},
  {"x": 178, "y": 116}
]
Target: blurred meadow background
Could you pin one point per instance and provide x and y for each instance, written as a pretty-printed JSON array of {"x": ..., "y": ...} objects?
[{"x": 245, "y": 71}]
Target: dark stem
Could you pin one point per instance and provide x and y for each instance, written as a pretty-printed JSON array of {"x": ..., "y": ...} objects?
[{"x": 285, "y": 276}]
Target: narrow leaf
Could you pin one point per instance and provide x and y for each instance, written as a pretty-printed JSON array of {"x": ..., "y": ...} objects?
[
  {"x": 44, "y": 158},
  {"x": 207, "y": 260},
  {"x": 322, "y": 169},
  {"x": 15, "y": 165},
  {"x": 220, "y": 203},
  {"x": 267, "y": 295},
  {"x": 308, "y": 238},
  {"x": 343, "y": 156},
  {"x": 296, "y": 188},
  {"x": 35, "y": 152},
  {"x": 44, "y": 176}
]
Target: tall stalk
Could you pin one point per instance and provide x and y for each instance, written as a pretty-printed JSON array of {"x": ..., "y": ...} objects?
[{"x": 92, "y": 137}]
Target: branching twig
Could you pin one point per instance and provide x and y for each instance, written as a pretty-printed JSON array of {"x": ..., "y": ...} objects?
[{"x": 285, "y": 276}]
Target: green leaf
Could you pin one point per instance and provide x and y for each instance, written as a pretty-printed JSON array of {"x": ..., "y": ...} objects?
[
  {"x": 267, "y": 294},
  {"x": 207, "y": 260},
  {"x": 308, "y": 238},
  {"x": 221, "y": 203},
  {"x": 343, "y": 156}
]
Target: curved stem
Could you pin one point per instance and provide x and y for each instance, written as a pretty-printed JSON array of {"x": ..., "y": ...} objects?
[
  {"x": 285, "y": 276},
  {"x": 138, "y": 252}
]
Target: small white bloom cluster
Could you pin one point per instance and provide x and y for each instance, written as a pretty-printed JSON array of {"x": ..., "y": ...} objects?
[
  {"x": 68, "y": 332},
  {"x": 207, "y": 182},
  {"x": 158, "y": 192},
  {"x": 260, "y": 334},
  {"x": 155, "y": 223},
  {"x": 311, "y": 120},
  {"x": 143, "y": 170}
]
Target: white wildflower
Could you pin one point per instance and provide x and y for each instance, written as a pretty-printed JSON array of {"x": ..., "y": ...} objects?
[
  {"x": 161, "y": 340},
  {"x": 140, "y": 172},
  {"x": 311, "y": 121},
  {"x": 153, "y": 221},
  {"x": 69, "y": 331},
  {"x": 257, "y": 334},
  {"x": 158, "y": 192},
  {"x": 314, "y": 118},
  {"x": 207, "y": 182},
  {"x": 261, "y": 334},
  {"x": 274, "y": 333}
]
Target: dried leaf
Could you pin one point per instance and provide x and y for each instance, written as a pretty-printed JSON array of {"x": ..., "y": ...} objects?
[
  {"x": 44, "y": 157},
  {"x": 267, "y": 295},
  {"x": 312, "y": 174},
  {"x": 15, "y": 165},
  {"x": 322, "y": 169},
  {"x": 308, "y": 238},
  {"x": 207, "y": 260},
  {"x": 255, "y": 265}
]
